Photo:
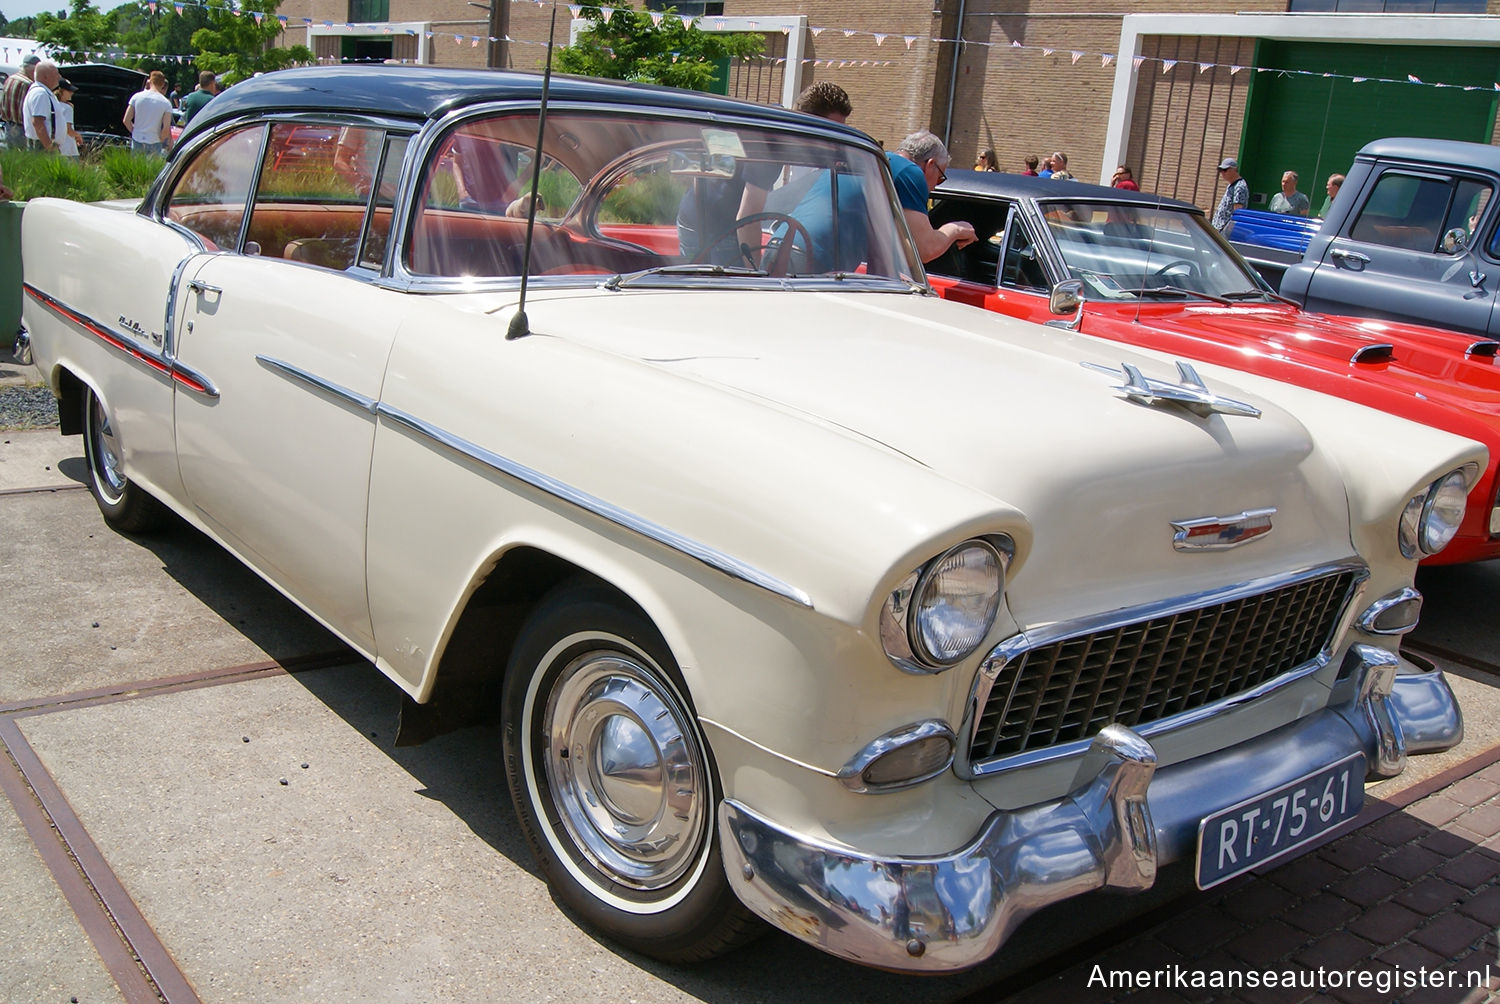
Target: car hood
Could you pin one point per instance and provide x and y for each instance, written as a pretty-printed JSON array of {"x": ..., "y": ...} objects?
[
  {"x": 1005, "y": 407},
  {"x": 1428, "y": 361}
]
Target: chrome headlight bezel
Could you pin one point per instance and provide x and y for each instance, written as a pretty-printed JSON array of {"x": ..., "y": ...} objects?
[
  {"x": 906, "y": 617},
  {"x": 1432, "y": 517}
]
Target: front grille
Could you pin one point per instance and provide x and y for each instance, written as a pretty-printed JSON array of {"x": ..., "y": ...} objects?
[{"x": 1151, "y": 669}]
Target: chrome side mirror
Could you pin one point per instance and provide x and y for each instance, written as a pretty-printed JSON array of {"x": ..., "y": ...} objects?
[
  {"x": 1455, "y": 241},
  {"x": 1067, "y": 296}
]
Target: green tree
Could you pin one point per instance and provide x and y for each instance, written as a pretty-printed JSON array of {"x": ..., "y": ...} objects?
[
  {"x": 161, "y": 33},
  {"x": 81, "y": 31},
  {"x": 651, "y": 47},
  {"x": 237, "y": 44}
]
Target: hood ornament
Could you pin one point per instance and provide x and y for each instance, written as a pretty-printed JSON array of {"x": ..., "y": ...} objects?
[
  {"x": 1220, "y": 533},
  {"x": 1190, "y": 393}
]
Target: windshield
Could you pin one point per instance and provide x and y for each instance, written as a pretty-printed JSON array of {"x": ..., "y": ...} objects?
[
  {"x": 1126, "y": 251},
  {"x": 656, "y": 200}
]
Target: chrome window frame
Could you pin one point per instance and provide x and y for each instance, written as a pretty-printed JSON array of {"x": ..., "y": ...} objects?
[
  {"x": 989, "y": 669},
  {"x": 423, "y": 146}
]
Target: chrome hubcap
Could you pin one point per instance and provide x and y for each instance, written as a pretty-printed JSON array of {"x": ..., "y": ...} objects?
[
  {"x": 106, "y": 450},
  {"x": 625, "y": 770}
]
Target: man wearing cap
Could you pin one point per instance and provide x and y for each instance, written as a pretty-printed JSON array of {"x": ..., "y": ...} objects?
[
  {"x": 1236, "y": 194},
  {"x": 12, "y": 98}
]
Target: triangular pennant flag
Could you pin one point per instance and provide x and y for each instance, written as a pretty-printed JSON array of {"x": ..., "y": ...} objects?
[
  {"x": 1015, "y": 44},
  {"x": 1137, "y": 61},
  {"x": 656, "y": 17},
  {"x": 258, "y": 15},
  {"x": 1046, "y": 52},
  {"x": 848, "y": 32},
  {"x": 816, "y": 31},
  {"x": 178, "y": 6},
  {"x": 1106, "y": 59},
  {"x": 1077, "y": 56},
  {"x": 910, "y": 40},
  {"x": 687, "y": 21},
  {"x": 1412, "y": 79},
  {"x": 1203, "y": 67},
  {"x": 1167, "y": 64},
  {"x": 1360, "y": 80},
  {"x": 150, "y": 6},
  {"x": 879, "y": 38},
  {"x": 1235, "y": 69},
  {"x": 574, "y": 10}
]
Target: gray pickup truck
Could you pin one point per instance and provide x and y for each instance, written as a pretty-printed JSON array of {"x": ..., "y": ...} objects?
[{"x": 1411, "y": 236}]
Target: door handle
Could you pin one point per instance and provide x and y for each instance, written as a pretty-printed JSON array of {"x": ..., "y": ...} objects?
[
  {"x": 1476, "y": 278},
  {"x": 1352, "y": 259},
  {"x": 195, "y": 286}
]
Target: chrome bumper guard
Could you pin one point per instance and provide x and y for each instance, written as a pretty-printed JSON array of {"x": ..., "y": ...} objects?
[{"x": 939, "y": 914}]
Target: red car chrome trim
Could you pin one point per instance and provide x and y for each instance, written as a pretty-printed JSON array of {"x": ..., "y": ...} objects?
[{"x": 159, "y": 362}]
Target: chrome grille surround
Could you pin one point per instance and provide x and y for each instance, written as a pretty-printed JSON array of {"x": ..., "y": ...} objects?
[{"x": 1042, "y": 695}]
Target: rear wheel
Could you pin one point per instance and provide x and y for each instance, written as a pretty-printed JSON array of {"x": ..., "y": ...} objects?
[
  {"x": 612, "y": 780},
  {"x": 126, "y": 506}
]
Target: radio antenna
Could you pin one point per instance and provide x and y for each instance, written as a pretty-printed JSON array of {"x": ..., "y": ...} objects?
[{"x": 519, "y": 325}]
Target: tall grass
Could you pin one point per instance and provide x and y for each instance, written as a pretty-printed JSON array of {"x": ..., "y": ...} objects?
[{"x": 112, "y": 173}]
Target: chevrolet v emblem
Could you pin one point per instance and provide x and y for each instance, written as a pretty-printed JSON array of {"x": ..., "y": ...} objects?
[{"x": 1220, "y": 533}]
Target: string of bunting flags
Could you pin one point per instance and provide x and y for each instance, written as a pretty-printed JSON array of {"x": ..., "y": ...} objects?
[{"x": 712, "y": 22}]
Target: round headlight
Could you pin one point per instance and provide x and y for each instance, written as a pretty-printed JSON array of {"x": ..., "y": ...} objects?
[
  {"x": 956, "y": 601},
  {"x": 1431, "y": 519},
  {"x": 1443, "y": 512}
]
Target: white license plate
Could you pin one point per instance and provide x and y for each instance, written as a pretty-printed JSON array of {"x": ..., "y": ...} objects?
[{"x": 1234, "y": 840}]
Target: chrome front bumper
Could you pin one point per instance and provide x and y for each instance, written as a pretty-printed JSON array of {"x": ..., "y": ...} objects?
[{"x": 937, "y": 914}]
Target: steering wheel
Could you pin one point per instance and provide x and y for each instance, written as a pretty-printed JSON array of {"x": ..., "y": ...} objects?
[
  {"x": 1181, "y": 266},
  {"x": 783, "y": 255}
]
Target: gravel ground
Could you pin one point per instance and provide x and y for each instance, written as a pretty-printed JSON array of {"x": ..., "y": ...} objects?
[{"x": 27, "y": 408}]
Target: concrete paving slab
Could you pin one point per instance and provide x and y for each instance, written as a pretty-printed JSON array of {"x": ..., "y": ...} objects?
[
  {"x": 86, "y": 607},
  {"x": 47, "y": 955},
  {"x": 370, "y": 873},
  {"x": 40, "y": 458}
]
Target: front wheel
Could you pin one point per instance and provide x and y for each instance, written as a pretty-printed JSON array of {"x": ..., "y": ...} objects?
[
  {"x": 613, "y": 782},
  {"x": 126, "y": 506}
]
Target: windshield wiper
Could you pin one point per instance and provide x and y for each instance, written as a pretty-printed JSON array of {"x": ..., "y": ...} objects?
[
  {"x": 1175, "y": 292},
  {"x": 620, "y": 280},
  {"x": 1260, "y": 294}
]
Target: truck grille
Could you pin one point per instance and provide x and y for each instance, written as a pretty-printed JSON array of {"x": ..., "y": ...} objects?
[{"x": 1147, "y": 670}]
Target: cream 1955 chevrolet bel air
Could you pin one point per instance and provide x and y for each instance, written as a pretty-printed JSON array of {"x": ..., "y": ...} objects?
[{"x": 800, "y": 592}]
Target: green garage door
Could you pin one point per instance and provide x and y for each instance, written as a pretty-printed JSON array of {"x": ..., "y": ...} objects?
[{"x": 1314, "y": 125}]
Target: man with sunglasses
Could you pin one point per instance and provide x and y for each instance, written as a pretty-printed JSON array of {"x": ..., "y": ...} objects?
[{"x": 918, "y": 166}]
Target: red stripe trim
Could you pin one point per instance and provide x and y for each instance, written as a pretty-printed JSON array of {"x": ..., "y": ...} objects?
[{"x": 102, "y": 333}]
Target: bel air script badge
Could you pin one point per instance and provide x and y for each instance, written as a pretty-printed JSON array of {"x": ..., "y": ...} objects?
[{"x": 1220, "y": 533}]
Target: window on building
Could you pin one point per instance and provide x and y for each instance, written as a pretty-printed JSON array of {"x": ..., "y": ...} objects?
[
  {"x": 1386, "y": 6},
  {"x": 367, "y": 11},
  {"x": 696, "y": 8}
]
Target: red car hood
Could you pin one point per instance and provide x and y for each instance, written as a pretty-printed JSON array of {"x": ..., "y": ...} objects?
[{"x": 1272, "y": 338}]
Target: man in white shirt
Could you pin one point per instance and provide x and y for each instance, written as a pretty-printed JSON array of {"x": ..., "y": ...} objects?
[
  {"x": 41, "y": 115},
  {"x": 149, "y": 116}
]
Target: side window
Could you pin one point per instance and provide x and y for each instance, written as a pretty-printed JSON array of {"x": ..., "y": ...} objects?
[
  {"x": 1405, "y": 211},
  {"x": 210, "y": 197},
  {"x": 314, "y": 188},
  {"x": 1022, "y": 267},
  {"x": 373, "y": 253}
]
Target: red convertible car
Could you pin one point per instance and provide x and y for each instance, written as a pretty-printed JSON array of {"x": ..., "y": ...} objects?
[{"x": 1149, "y": 271}]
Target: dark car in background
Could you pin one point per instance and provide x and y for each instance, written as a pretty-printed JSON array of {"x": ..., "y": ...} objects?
[{"x": 99, "y": 103}]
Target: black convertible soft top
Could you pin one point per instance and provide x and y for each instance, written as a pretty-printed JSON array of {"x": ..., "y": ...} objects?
[
  {"x": 998, "y": 184},
  {"x": 421, "y": 92}
]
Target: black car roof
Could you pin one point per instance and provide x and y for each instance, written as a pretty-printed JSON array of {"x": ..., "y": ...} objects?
[
  {"x": 420, "y": 92},
  {"x": 998, "y": 184}
]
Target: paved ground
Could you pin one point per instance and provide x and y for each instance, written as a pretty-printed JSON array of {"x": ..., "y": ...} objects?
[{"x": 204, "y": 803}]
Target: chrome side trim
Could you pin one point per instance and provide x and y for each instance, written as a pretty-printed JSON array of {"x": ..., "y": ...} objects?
[
  {"x": 1373, "y": 613},
  {"x": 1376, "y": 681},
  {"x": 296, "y": 373},
  {"x": 160, "y": 363},
  {"x": 715, "y": 559},
  {"x": 989, "y": 669}
]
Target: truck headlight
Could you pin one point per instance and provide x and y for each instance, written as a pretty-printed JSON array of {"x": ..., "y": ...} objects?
[
  {"x": 941, "y": 613},
  {"x": 1432, "y": 517}
]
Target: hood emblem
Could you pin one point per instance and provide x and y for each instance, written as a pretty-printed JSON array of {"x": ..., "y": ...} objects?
[
  {"x": 1220, "y": 533},
  {"x": 1190, "y": 393}
]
